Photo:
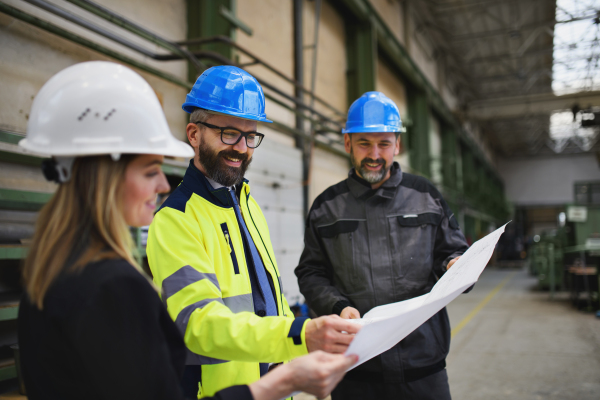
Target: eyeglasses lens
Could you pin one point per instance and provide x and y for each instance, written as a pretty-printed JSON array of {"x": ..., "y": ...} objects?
[{"x": 231, "y": 137}]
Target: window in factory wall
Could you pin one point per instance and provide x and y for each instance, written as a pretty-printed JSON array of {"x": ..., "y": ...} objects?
[{"x": 577, "y": 129}]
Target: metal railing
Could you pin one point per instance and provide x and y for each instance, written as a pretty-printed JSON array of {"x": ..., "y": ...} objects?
[{"x": 321, "y": 122}]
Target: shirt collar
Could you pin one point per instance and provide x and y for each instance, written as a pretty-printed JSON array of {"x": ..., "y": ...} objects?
[
  {"x": 200, "y": 184},
  {"x": 217, "y": 185}
]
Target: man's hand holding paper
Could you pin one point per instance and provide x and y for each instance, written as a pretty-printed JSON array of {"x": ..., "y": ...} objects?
[{"x": 386, "y": 325}]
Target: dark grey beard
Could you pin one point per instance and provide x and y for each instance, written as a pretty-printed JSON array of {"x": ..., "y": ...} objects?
[
  {"x": 369, "y": 176},
  {"x": 217, "y": 170}
]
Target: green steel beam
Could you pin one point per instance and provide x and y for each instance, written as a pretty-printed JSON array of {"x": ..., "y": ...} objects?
[
  {"x": 19, "y": 158},
  {"x": 13, "y": 157},
  {"x": 449, "y": 157},
  {"x": 418, "y": 133},
  {"x": 8, "y": 372},
  {"x": 361, "y": 45},
  {"x": 23, "y": 200},
  {"x": 460, "y": 182},
  {"x": 363, "y": 10},
  {"x": 235, "y": 21},
  {"x": 9, "y": 313},
  {"x": 204, "y": 19},
  {"x": 13, "y": 252},
  {"x": 10, "y": 137}
]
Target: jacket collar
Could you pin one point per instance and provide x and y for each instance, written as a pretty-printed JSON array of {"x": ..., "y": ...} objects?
[
  {"x": 195, "y": 181},
  {"x": 359, "y": 187}
]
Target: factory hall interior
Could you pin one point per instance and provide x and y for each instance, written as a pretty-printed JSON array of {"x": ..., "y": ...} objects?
[{"x": 421, "y": 219}]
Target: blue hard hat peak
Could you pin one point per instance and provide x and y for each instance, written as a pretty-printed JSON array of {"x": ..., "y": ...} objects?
[
  {"x": 373, "y": 112},
  {"x": 228, "y": 90}
]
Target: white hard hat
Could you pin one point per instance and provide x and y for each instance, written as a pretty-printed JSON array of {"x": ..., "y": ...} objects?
[{"x": 96, "y": 108}]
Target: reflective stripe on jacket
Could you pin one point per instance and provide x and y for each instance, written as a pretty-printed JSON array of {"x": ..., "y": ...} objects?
[{"x": 196, "y": 255}]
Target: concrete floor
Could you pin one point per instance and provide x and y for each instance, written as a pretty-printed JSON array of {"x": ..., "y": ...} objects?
[
  {"x": 512, "y": 342},
  {"x": 522, "y": 345}
]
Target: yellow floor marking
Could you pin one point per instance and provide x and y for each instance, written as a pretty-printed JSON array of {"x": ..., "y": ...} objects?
[{"x": 476, "y": 310}]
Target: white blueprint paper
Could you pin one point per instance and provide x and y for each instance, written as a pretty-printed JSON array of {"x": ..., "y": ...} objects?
[{"x": 386, "y": 325}]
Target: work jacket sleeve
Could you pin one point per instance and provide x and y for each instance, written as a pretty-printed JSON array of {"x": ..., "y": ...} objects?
[
  {"x": 315, "y": 276},
  {"x": 449, "y": 241},
  {"x": 186, "y": 274},
  {"x": 286, "y": 307},
  {"x": 122, "y": 345}
]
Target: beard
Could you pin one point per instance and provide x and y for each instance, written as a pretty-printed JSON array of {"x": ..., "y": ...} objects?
[
  {"x": 215, "y": 166},
  {"x": 367, "y": 175}
]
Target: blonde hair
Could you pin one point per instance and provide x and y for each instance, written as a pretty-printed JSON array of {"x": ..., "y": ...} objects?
[{"x": 83, "y": 222}]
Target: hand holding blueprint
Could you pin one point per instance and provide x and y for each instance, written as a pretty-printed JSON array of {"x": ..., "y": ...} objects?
[{"x": 386, "y": 325}]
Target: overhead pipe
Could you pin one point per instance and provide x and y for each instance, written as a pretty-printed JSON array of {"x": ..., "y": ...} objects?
[
  {"x": 295, "y": 82},
  {"x": 132, "y": 27},
  {"x": 176, "y": 48},
  {"x": 51, "y": 8},
  {"x": 302, "y": 143},
  {"x": 313, "y": 71},
  {"x": 54, "y": 29},
  {"x": 297, "y": 101},
  {"x": 160, "y": 57},
  {"x": 18, "y": 14},
  {"x": 309, "y": 152}
]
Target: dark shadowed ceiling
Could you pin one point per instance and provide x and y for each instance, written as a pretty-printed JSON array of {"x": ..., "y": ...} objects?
[{"x": 517, "y": 62}]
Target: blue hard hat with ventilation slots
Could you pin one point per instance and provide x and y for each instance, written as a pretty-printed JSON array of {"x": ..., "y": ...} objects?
[
  {"x": 373, "y": 112},
  {"x": 228, "y": 90}
]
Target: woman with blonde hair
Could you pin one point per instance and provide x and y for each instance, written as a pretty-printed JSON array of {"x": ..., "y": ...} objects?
[{"x": 91, "y": 325}]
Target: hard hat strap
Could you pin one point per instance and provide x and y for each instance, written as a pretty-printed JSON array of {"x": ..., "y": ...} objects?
[{"x": 58, "y": 169}]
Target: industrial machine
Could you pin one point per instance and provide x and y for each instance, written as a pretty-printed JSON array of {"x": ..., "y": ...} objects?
[{"x": 582, "y": 259}]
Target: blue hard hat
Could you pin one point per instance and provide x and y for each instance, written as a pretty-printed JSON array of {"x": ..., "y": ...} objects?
[
  {"x": 228, "y": 90},
  {"x": 373, "y": 112}
]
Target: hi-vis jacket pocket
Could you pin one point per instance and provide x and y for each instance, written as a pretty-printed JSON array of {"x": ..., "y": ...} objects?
[{"x": 227, "y": 237}]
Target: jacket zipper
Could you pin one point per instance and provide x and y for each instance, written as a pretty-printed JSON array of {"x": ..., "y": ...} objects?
[{"x": 225, "y": 230}]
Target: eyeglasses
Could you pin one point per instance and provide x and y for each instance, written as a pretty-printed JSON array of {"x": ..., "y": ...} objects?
[{"x": 232, "y": 136}]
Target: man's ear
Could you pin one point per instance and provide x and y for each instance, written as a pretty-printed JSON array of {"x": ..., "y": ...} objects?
[
  {"x": 193, "y": 134},
  {"x": 398, "y": 145},
  {"x": 347, "y": 143}
]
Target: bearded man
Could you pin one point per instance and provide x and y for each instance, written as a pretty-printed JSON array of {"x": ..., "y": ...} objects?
[
  {"x": 210, "y": 251},
  {"x": 379, "y": 237}
]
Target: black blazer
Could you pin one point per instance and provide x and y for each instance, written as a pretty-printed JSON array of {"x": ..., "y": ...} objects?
[{"x": 103, "y": 334}]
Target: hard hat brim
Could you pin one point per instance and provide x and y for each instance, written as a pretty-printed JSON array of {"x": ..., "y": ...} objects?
[
  {"x": 173, "y": 148},
  {"x": 189, "y": 108},
  {"x": 373, "y": 129}
]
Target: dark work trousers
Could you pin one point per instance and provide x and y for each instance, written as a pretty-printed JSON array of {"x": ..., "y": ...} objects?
[{"x": 432, "y": 387}]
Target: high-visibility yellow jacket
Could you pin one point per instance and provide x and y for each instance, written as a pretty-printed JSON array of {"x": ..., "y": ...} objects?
[{"x": 196, "y": 256}]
